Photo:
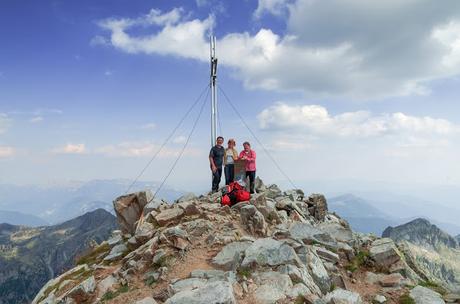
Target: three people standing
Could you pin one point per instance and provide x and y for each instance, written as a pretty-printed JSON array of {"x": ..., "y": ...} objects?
[{"x": 219, "y": 156}]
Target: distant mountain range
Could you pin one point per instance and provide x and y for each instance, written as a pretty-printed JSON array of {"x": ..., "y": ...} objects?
[
  {"x": 19, "y": 218},
  {"x": 361, "y": 215},
  {"x": 370, "y": 216},
  {"x": 55, "y": 204},
  {"x": 29, "y": 257}
]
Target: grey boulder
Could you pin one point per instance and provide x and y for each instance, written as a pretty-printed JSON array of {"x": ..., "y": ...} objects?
[
  {"x": 218, "y": 292},
  {"x": 423, "y": 295},
  {"x": 269, "y": 252},
  {"x": 230, "y": 255},
  {"x": 253, "y": 220},
  {"x": 384, "y": 252},
  {"x": 341, "y": 296}
]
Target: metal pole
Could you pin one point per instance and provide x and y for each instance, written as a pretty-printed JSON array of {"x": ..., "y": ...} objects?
[{"x": 213, "y": 90}]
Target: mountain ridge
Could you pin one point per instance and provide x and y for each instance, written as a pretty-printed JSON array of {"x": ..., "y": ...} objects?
[
  {"x": 421, "y": 232},
  {"x": 435, "y": 252},
  {"x": 61, "y": 202},
  {"x": 30, "y": 256}
]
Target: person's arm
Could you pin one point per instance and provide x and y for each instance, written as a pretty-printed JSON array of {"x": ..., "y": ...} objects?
[
  {"x": 252, "y": 156},
  {"x": 235, "y": 154},
  {"x": 211, "y": 161},
  {"x": 241, "y": 155}
]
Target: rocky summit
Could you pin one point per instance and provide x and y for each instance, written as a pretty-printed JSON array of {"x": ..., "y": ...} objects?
[
  {"x": 29, "y": 257},
  {"x": 279, "y": 247}
]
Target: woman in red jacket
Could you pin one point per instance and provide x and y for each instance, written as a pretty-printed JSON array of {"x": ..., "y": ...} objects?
[{"x": 250, "y": 156}]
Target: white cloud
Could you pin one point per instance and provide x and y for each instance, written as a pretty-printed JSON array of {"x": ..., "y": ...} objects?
[
  {"x": 37, "y": 112},
  {"x": 149, "y": 126},
  {"x": 448, "y": 35},
  {"x": 44, "y": 111},
  {"x": 71, "y": 149},
  {"x": 185, "y": 39},
  {"x": 289, "y": 144},
  {"x": 143, "y": 149},
  {"x": 36, "y": 119},
  {"x": 6, "y": 151},
  {"x": 316, "y": 120},
  {"x": 180, "y": 139},
  {"x": 108, "y": 73},
  {"x": 353, "y": 48},
  {"x": 274, "y": 7},
  {"x": 201, "y": 3},
  {"x": 5, "y": 122},
  {"x": 301, "y": 127}
]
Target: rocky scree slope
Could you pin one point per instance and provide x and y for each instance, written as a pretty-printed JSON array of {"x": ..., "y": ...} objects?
[
  {"x": 280, "y": 247},
  {"x": 29, "y": 257}
]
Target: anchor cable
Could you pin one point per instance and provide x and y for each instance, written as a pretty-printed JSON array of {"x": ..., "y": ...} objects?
[
  {"x": 183, "y": 148},
  {"x": 169, "y": 137},
  {"x": 257, "y": 139}
]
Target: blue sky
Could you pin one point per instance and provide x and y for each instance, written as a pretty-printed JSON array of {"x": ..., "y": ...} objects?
[{"x": 335, "y": 89}]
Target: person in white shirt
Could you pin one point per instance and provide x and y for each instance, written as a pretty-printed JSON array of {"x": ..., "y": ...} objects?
[{"x": 230, "y": 156}]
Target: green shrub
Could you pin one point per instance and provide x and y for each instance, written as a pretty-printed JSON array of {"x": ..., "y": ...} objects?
[
  {"x": 299, "y": 299},
  {"x": 406, "y": 299},
  {"x": 244, "y": 272},
  {"x": 360, "y": 260},
  {"x": 95, "y": 256},
  {"x": 109, "y": 295},
  {"x": 333, "y": 287}
]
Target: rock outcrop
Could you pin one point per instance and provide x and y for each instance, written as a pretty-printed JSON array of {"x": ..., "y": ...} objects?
[
  {"x": 279, "y": 247},
  {"x": 129, "y": 209}
]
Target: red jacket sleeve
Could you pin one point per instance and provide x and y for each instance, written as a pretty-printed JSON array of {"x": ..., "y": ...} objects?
[{"x": 252, "y": 155}]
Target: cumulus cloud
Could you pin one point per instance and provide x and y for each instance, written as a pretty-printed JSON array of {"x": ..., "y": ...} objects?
[
  {"x": 315, "y": 119},
  {"x": 185, "y": 39},
  {"x": 36, "y": 119},
  {"x": 71, "y": 149},
  {"x": 5, "y": 122},
  {"x": 274, "y": 7},
  {"x": 142, "y": 149},
  {"x": 353, "y": 48},
  {"x": 6, "y": 151}
]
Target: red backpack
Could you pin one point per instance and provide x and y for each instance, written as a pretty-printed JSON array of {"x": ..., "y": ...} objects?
[{"x": 235, "y": 193}]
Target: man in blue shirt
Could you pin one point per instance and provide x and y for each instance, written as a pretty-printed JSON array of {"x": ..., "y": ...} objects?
[{"x": 216, "y": 160}]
